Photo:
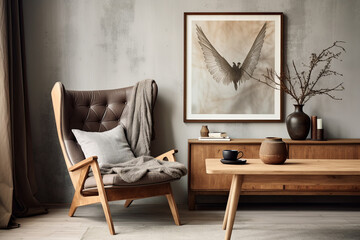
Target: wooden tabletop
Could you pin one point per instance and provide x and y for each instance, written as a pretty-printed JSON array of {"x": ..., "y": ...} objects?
[
  {"x": 290, "y": 167},
  {"x": 288, "y": 141}
]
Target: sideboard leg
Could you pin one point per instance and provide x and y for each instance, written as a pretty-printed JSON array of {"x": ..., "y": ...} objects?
[{"x": 191, "y": 200}]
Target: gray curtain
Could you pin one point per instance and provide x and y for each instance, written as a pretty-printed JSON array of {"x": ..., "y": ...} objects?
[{"x": 22, "y": 174}]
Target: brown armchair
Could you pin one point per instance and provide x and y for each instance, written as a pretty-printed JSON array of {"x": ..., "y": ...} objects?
[{"x": 98, "y": 111}]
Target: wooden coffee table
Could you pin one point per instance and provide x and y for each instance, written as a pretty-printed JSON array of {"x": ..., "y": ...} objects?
[{"x": 302, "y": 167}]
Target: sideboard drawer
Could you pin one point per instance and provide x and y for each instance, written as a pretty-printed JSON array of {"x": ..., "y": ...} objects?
[
  {"x": 199, "y": 152},
  {"x": 328, "y": 151}
]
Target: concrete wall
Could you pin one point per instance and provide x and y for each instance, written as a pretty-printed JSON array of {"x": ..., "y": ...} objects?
[{"x": 115, "y": 43}]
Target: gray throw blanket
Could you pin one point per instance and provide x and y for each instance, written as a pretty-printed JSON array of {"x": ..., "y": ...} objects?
[
  {"x": 139, "y": 122},
  {"x": 138, "y": 132},
  {"x": 133, "y": 170}
]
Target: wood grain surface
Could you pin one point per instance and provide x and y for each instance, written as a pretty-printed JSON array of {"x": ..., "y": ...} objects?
[
  {"x": 290, "y": 167},
  {"x": 201, "y": 183}
]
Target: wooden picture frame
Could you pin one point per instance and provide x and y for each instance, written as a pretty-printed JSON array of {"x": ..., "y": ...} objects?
[{"x": 223, "y": 55}]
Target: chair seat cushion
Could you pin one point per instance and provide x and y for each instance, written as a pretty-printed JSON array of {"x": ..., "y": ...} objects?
[{"x": 114, "y": 180}]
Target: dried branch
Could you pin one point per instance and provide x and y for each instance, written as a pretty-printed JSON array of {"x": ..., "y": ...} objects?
[{"x": 305, "y": 79}]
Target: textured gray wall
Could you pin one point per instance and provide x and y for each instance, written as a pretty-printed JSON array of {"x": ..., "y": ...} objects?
[{"x": 109, "y": 44}]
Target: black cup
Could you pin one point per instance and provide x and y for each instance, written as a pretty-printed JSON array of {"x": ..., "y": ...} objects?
[{"x": 232, "y": 154}]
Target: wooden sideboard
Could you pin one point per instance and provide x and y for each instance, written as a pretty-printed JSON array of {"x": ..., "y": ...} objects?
[{"x": 200, "y": 183}]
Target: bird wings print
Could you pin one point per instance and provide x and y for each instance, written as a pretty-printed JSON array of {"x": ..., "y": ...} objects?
[{"x": 221, "y": 70}]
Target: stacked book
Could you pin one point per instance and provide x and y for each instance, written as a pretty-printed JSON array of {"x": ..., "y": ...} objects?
[{"x": 216, "y": 136}]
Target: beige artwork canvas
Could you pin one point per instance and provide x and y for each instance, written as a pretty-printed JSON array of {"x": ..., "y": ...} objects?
[{"x": 233, "y": 40}]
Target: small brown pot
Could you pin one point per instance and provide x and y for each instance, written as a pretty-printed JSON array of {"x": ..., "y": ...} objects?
[
  {"x": 204, "y": 132},
  {"x": 273, "y": 151}
]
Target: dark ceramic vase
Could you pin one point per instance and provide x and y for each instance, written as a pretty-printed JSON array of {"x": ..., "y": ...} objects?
[{"x": 298, "y": 124}]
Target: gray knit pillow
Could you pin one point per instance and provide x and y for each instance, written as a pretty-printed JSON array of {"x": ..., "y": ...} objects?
[{"x": 110, "y": 147}]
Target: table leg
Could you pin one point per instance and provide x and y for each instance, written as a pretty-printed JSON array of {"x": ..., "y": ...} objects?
[
  {"x": 234, "y": 200},
  {"x": 228, "y": 203}
]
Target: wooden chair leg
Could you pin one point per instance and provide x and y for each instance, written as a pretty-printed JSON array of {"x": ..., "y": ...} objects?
[
  {"x": 103, "y": 197},
  {"x": 173, "y": 207},
  {"x": 107, "y": 213},
  {"x": 128, "y": 203},
  {"x": 73, "y": 207},
  {"x": 77, "y": 195}
]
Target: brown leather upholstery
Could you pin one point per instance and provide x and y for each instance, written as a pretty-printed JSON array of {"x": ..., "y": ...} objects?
[{"x": 94, "y": 111}]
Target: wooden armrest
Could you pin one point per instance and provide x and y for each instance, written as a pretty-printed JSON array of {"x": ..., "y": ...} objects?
[
  {"x": 83, "y": 163},
  {"x": 169, "y": 155}
]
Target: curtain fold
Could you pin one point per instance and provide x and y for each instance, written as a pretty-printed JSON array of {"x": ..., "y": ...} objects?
[
  {"x": 24, "y": 203},
  {"x": 6, "y": 181},
  {"x": 17, "y": 172}
]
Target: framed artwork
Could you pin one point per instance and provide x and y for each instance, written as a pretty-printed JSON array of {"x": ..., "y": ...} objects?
[{"x": 224, "y": 54}]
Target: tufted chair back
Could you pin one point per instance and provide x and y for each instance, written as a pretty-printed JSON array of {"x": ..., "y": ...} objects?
[{"x": 93, "y": 111}]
